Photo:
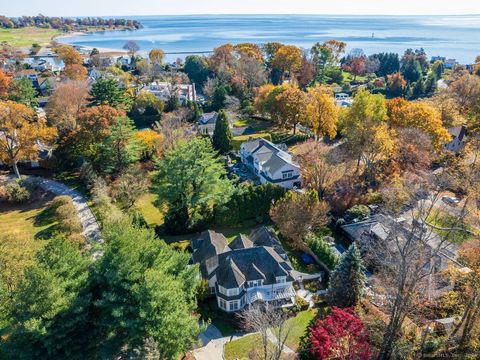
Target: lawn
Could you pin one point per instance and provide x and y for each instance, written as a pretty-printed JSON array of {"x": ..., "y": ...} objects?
[
  {"x": 442, "y": 219},
  {"x": 255, "y": 124},
  {"x": 25, "y": 37},
  {"x": 241, "y": 348},
  {"x": 30, "y": 221},
  {"x": 298, "y": 326},
  {"x": 152, "y": 214}
]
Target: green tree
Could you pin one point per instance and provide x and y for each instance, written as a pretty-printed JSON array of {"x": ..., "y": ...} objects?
[
  {"x": 431, "y": 83},
  {"x": 146, "y": 109},
  {"x": 121, "y": 148},
  {"x": 197, "y": 70},
  {"x": 218, "y": 98},
  {"x": 348, "y": 279},
  {"x": 412, "y": 70},
  {"x": 147, "y": 291},
  {"x": 191, "y": 179},
  {"x": 418, "y": 89},
  {"x": 107, "y": 92},
  {"x": 23, "y": 92},
  {"x": 50, "y": 306},
  {"x": 222, "y": 135}
]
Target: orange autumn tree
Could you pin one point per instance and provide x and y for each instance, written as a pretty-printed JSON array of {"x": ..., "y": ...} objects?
[
  {"x": 4, "y": 82},
  {"x": 76, "y": 72},
  {"x": 69, "y": 55},
  {"x": 20, "y": 134},
  {"x": 419, "y": 115}
]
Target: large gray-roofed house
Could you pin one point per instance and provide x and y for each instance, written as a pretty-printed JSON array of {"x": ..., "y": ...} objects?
[
  {"x": 270, "y": 163},
  {"x": 250, "y": 269}
]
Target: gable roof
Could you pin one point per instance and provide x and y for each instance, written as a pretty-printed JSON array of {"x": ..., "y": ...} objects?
[
  {"x": 458, "y": 132},
  {"x": 240, "y": 242},
  {"x": 254, "y": 263},
  {"x": 208, "y": 118},
  {"x": 208, "y": 245},
  {"x": 230, "y": 276}
]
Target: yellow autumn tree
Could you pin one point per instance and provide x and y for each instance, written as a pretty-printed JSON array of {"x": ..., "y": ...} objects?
[
  {"x": 364, "y": 127},
  {"x": 20, "y": 134},
  {"x": 291, "y": 108},
  {"x": 322, "y": 112},
  {"x": 151, "y": 142},
  {"x": 419, "y": 115},
  {"x": 288, "y": 59}
]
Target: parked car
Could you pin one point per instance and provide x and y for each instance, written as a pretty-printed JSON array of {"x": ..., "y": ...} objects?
[{"x": 450, "y": 200}]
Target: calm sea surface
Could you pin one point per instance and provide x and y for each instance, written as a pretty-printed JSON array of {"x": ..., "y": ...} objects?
[{"x": 450, "y": 36}]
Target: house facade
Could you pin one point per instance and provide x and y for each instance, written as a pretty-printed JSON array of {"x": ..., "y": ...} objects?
[
  {"x": 165, "y": 90},
  {"x": 270, "y": 163},
  {"x": 248, "y": 270},
  {"x": 459, "y": 139}
]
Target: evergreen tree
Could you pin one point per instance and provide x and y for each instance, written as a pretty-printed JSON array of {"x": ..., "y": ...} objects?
[
  {"x": 412, "y": 70},
  {"x": 418, "y": 89},
  {"x": 50, "y": 309},
  {"x": 107, "y": 92},
  {"x": 147, "y": 291},
  {"x": 191, "y": 180},
  {"x": 23, "y": 92},
  {"x": 431, "y": 84},
  {"x": 222, "y": 135},
  {"x": 121, "y": 148},
  {"x": 347, "y": 280}
]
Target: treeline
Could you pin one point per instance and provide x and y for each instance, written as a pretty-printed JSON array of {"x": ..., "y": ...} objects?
[{"x": 63, "y": 23}]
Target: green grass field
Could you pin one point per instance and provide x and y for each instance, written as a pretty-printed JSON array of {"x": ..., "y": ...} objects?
[
  {"x": 25, "y": 37},
  {"x": 241, "y": 348},
  {"x": 298, "y": 326},
  {"x": 29, "y": 221}
]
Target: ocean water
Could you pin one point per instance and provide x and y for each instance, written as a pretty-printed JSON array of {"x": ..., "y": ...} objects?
[{"x": 450, "y": 36}]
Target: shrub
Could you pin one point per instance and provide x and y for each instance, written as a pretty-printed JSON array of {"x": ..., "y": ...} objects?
[
  {"x": 65, "y": 211},
  {"x": 322, "y": 250},
  {"x": 70, "y": 225},
  {"x": 360, "y": 212},
  {"x": 18, "y": 191},
  {"x": 77, "y": 239},
  {"x": 248, "y": 203},
  {"x": 3, "y": 193},
  {"x": 59, "y": 201}
]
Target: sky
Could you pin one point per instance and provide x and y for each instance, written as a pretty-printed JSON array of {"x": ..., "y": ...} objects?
[{"x": 179, "y": 7}]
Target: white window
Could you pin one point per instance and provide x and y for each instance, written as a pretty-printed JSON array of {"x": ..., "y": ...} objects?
[
  {"x": 234, "y": 305},
  {"x": 222, "y": 290},
  {"x": 232, "y": 292},
  {"x": 281, "y": 279},
  {"x": 254, "y": 283},
  {"x": 223, "y": 304},
  {"x": 287, "y": 175}
]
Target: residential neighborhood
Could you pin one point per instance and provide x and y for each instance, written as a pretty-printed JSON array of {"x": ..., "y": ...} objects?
[{"x": 266, "y": 198}]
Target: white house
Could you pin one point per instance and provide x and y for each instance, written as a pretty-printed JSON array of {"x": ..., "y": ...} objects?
[
  {"x": 270, "y": 163},
  {"x": 165, "y": 90},
  {"x": 249, "y": 269},
  {"x": 459, "y": 138}
]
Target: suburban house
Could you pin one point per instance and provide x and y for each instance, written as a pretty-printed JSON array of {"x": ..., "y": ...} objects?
[
  {"x": 270, "y": 163},
  {"x": 165, "y": 90},
  {"x": 249, "y": 269},
  {"x": 459, "y": 138},
  {"x": 206, "y": 123},
  {"x": 450, "y": 63}
]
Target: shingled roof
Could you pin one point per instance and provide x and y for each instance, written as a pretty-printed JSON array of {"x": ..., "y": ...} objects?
[{"x": 240, "y": 242}]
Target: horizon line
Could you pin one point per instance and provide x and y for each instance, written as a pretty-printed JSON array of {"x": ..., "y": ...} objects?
[{"x": 246, "y": 14}]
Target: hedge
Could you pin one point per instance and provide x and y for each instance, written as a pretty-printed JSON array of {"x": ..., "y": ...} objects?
[
  {"x": 248, "y": 202},
  {"x": 322, "y": 250}
]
